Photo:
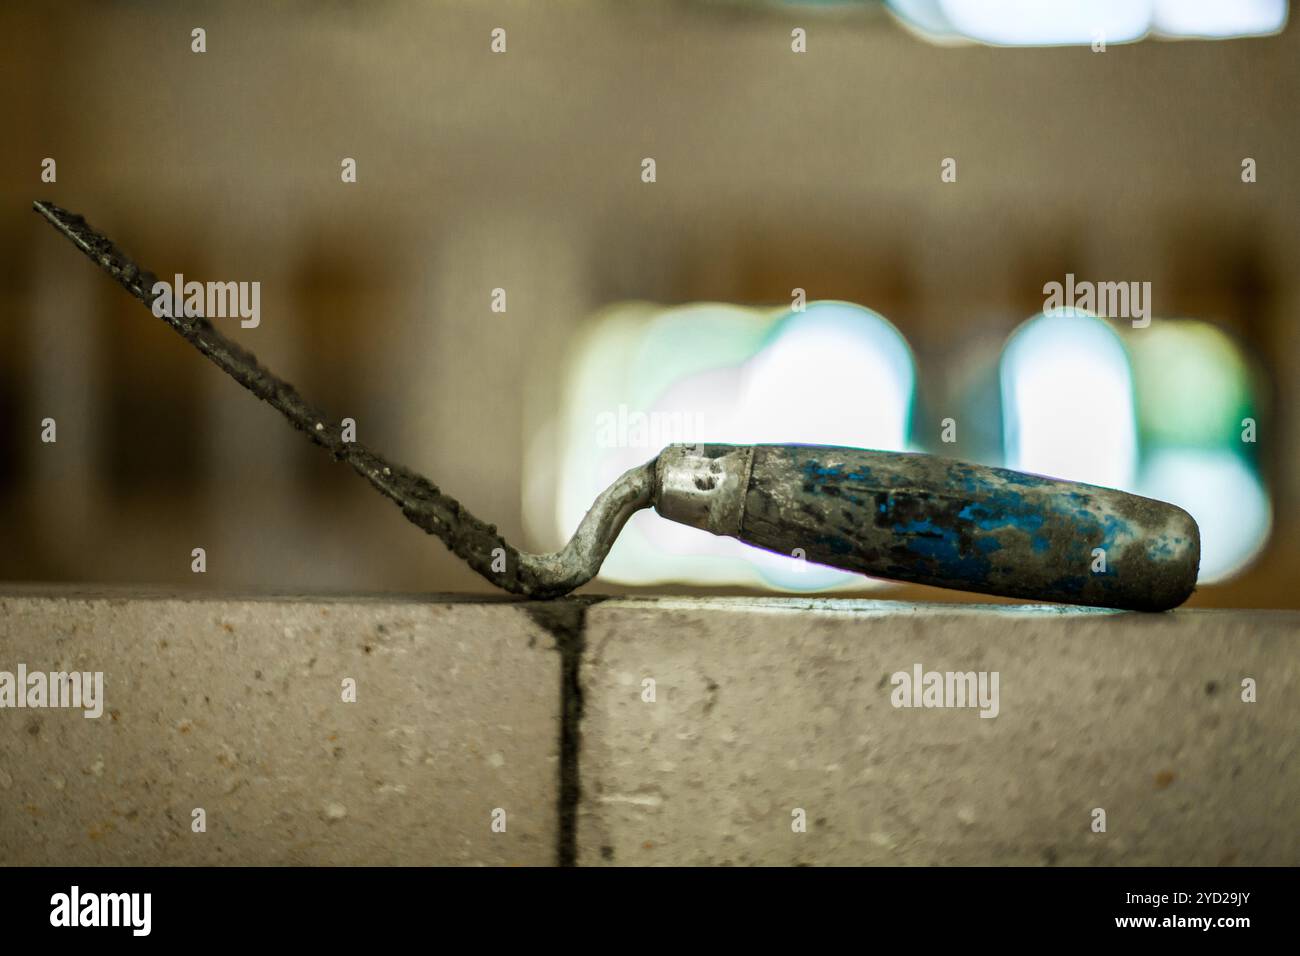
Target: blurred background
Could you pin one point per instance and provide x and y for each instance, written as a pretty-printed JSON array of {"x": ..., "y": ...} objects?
[{"x": 844, "y": 237}]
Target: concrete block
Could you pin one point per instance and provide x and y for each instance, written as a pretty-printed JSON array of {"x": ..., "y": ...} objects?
[
  {"x": 236, "y": 706},
  {"x": 767, "y": 707}
]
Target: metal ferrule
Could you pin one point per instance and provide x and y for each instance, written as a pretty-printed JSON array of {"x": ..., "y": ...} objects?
[{"x": 704, "y": 486}]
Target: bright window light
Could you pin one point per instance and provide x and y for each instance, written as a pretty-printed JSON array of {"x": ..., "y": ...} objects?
[
  {"x": 1219, "y": 18},
  {"x": 1019, "y": 22},
  {"x": 1084, "y": 22},
  {"x": 1170, "y": 425},
  {"x": 835, "y": 373},
  {"x": 1193, "y": 385},
  {"x": 1067, "y": 401},
  {"x": 1195, "y": 395},
  {"x": 1223, "y": 494},
  {"x": 1029, "y": 22}
]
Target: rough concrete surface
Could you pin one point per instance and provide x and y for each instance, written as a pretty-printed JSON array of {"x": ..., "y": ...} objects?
[
  {"x": 236, "y": 706},
  {"x": 765, "y": 707},
  {"x": 762, "y": 707}
]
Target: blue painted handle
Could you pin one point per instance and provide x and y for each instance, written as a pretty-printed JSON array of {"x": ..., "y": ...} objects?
[{"x": 957, "y": 525}]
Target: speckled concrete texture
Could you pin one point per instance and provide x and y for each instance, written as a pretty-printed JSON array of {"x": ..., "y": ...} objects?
[
  {"x": 765, "y": 708},
  {"x": 236, "y": 707},
  {"x": 765, "y": 711}
]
